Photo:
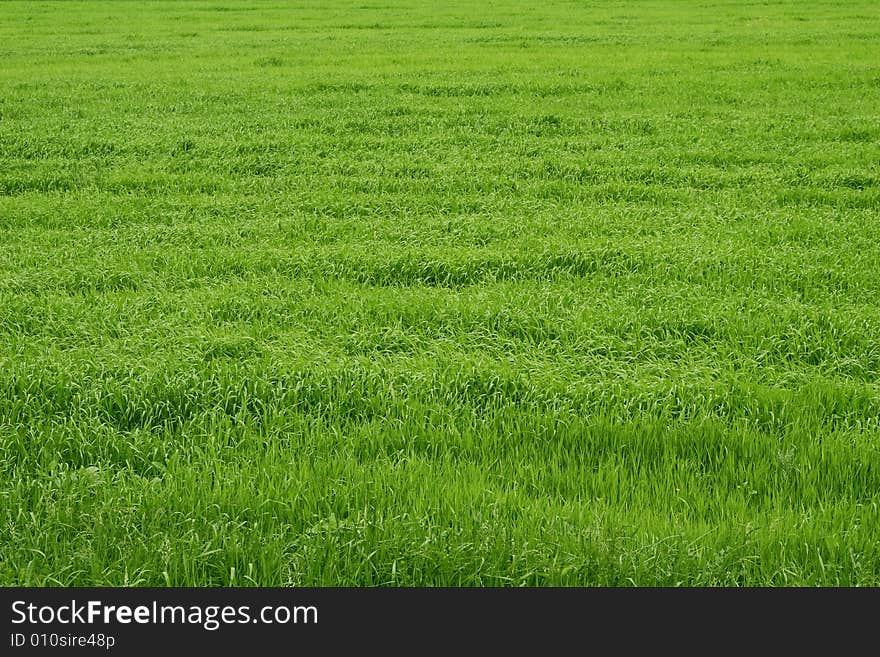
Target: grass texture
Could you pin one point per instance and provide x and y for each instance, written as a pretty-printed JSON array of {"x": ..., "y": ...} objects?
[{"x": 418, "y": 293}]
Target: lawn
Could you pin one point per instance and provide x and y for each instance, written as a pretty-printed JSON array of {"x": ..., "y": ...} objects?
[{"x": 418, "y": 293}]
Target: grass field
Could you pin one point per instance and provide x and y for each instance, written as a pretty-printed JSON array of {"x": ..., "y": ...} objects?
[{"x": 394, "y": 293}]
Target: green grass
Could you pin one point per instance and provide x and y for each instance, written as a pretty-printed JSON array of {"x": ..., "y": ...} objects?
[{"x": 387, "y": 293}]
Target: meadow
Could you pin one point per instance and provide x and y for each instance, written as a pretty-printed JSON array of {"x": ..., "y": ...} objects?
[{"x": 417, "y": 293}]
